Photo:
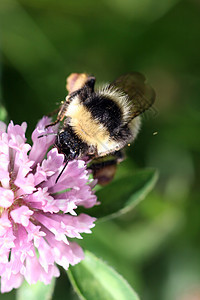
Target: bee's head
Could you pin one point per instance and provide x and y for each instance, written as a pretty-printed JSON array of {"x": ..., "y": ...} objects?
[
  {"x": 64, "y": 143},
  {"x": 69, "y": 144}
]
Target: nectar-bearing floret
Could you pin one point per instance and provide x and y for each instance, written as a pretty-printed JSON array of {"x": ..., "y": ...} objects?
[{"x": 37, "y": 214}]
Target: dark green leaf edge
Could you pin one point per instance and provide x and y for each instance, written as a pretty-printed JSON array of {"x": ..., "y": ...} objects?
[
  {"x": 75, "y": 286},
  {"x": 131, "y": 203}
]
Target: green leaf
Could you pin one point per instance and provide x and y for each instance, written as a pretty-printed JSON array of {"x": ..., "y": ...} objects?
[
  {"x": 9, "y": 296},
  {"x": 36, "y": 291},
  {"x": 93, "y": 279},
  {"x": 3, "y": 113},
  {"x": 123, "y": 194}
]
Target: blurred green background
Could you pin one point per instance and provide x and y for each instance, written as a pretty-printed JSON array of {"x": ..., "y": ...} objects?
[{"x": 156, "y": 247}]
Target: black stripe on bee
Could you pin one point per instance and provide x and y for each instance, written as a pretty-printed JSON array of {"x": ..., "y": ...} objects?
[{"x": 106, "y": 111}]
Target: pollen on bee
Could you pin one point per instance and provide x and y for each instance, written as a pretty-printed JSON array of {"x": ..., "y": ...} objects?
[
  {"x": 128, "y": 145},
  {"x": 155, "y": 133}
]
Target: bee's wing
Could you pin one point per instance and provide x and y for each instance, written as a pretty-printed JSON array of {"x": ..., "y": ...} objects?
[{"x": 141, "y": 95}]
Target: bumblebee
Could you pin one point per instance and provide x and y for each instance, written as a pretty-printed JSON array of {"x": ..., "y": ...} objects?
[{"x": 100, "y": 122}]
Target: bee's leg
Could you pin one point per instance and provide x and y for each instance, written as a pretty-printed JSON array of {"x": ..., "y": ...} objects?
[
  {"x": 61, "y": 113},
  {"x": 104, "y": 169}
]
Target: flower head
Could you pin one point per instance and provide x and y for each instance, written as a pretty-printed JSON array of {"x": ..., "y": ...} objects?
[{"x": 37, "y": 215}]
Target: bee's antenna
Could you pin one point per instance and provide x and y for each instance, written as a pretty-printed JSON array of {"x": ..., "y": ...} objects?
[
  {"x": 61, "y": 171},
  {"x": 46, "y": 134}
]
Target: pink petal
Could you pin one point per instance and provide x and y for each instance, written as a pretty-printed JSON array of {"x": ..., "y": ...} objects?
[
  {"x": 50, "y": 222},
  {"x": 26, "y": 184},
  {"x": 17, "y": 133},
  {"x": 46, "y": 256},
  {"x": 13, "y": 282},
  {"x": 41, "y": 145},
  {"x": 5, "y": 223},
  {"x": 6, "y": 197},
  {"x": 34, "y": 233},
  {"x": 33, "y": 269},
  {"x": 2, "y": 127},
  {"x": 21, "y": 215}
]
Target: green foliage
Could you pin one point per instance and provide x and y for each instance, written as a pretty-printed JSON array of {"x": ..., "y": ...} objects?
[
  {"x": 121, "y": 195},
  {"x": 36, "y": 291},
  {"x": 94, "y": 279}
]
